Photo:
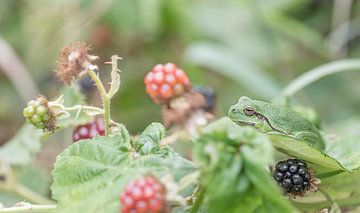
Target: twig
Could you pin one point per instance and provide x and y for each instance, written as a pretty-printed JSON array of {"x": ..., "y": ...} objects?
[
  {"x": 30, "y": 195},
  {"x": 26, "y": 207},
  {"x": 105, "y": 99}
]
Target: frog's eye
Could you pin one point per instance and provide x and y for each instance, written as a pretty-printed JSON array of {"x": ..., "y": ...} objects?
[{"x": 249, "y": 111}]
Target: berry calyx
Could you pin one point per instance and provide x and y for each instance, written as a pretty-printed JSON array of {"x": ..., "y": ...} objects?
[
  {"x": 166, "y": 81},
  {"x": 39, "y": 114},
  {"x": 294, "y": 176},
  {"x": 144, "y": 195},
  {"x": 89, "y": 130}
]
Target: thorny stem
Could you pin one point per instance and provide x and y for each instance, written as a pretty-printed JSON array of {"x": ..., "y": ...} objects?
[
  {"x": 104, "y": 97},
  {"x": 198, "y": 201},
  {"x": 30, "y": 195},
  {"x": 29, "y": 207}
]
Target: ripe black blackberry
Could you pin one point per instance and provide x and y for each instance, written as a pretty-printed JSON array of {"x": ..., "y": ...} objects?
[{"x": 294, "y": 176}]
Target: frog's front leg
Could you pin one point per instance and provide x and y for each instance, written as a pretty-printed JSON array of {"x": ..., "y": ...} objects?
[
  {"x": 263, "y": 127},
  {"x": 313, "y": 139}
]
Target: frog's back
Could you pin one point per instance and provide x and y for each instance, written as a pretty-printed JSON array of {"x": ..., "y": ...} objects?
[{"x": 286, "y": 119}]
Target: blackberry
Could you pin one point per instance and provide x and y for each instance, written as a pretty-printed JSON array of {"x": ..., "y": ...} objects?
[
  {"x": 89, "y": 130},
  {"x": 144, "y": 195},
  {"x": 293, "y": 176},
  {"x": 165, "y": 82},
  {"x": 209, "y": 95}
]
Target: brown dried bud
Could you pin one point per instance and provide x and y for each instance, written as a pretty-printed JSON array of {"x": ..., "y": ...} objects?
[
  {"x": 180, "y": 109},
  {"x": 72, "y": 60}
]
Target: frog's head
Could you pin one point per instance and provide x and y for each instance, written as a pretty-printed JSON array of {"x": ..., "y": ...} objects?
[{"x": 244, "y": 112}]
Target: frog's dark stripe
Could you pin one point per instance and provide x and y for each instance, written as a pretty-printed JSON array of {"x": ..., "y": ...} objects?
[{"x": 263, "y": 118}]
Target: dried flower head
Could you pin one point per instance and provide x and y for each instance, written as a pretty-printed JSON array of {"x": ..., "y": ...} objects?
[
  {"x": 180, "y": 109},
  {"x": 73, "y": 59}
]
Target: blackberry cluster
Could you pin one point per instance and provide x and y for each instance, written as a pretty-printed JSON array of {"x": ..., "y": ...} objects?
[
  {"x": 166, "y": 81},
  {"x": 293, "y": 176}
]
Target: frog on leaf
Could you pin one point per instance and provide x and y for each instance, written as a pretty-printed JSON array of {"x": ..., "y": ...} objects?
[{"x": 275, "y": 119}]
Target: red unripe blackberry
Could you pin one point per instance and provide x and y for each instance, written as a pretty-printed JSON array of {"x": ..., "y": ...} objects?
[
  {"x": 166, "y": 81},
  {"x": 144, "y": 195},
  {"x": 293, "y": 176},
  {"x": 89, "y": 130}
]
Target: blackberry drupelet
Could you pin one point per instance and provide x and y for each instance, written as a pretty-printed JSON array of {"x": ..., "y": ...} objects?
[
  {"x": 293, "y": 176},
  {"x": 89, "y": 130},
  {"x": 144, "y": 195}
]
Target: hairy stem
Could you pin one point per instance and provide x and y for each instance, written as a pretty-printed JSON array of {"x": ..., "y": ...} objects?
[
  {"x": 105, "y": 99},
  {"x": 30, "y": 195},
  {"x": 198, "y": 200},
  {"x": 30, "y": 208},
  {"x": 320, "y": 72}
]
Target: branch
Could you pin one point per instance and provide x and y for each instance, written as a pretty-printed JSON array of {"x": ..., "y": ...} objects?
[{"x": 23, "y": 207}]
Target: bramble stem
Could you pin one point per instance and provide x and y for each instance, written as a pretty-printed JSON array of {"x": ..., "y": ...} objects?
[
  {"x": 104, "y": 97},
  {"x": 327, "y": 196},
  {"x": 198, "y": 201},
  {"x": 29, "y": 207},
  {"x": 30, "y": 195},
  {"x": 320, "y": 72}
]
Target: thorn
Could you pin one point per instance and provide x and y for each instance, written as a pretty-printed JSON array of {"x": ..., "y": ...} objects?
[{"x": 114, "y": 58}]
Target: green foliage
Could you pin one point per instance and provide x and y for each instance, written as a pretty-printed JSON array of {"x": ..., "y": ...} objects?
[
  {"x": 234, "y": 161},
  {"x": 149, "y": 140},
  {"x": 21, "y": 148},
  {"x": 91, "y": 174}
]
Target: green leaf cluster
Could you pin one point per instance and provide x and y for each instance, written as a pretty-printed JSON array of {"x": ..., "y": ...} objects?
[
  {"x": 91, "y": 174},
  {"x": 234, "y": 170}
]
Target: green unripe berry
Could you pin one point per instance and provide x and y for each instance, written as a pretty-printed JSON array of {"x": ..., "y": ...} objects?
[
  {"x": 46, "y": 117},
  {"x": 35, "y": 119},
  {"x": 39, "y": 114},
  {"x": 28, "y": 111},
  {"x": 41, "y": 110}
]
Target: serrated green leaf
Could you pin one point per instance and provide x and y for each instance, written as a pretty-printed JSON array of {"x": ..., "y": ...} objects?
[
  {"x": 149, "y": 139},
  {"x": 233, "y": 159},
  {"x": 90, "y": 174}
]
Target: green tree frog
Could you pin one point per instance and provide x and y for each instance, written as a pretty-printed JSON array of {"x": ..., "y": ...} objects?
[{"x": 275, "y": 119}]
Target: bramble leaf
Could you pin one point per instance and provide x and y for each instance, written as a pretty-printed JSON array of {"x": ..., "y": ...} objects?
[
  {"x": 91, "y": 174},
  {"x": 149, "y": 139},
  {"x": 234, "y": 177}
]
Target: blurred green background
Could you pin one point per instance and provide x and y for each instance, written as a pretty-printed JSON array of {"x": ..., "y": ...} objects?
[{"x": 238, "y": 47}]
